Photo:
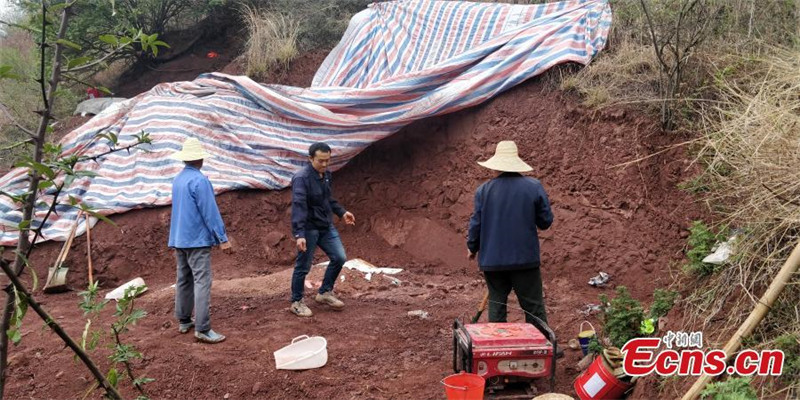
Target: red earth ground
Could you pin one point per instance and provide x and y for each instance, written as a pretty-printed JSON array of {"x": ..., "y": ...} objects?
[{"x": 412, "y": 197}]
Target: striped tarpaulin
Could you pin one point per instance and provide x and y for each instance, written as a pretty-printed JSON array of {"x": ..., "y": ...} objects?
[{"x": 398, "y": 62}]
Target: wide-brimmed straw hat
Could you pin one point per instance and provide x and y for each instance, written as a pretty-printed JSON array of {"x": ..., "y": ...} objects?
[
  {"x": 192, "y": 151},
  {"x": 506, "y": 159},
  {"x": 553, "y": 396}
]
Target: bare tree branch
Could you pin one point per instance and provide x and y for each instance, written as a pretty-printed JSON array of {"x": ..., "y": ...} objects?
[
  {"x": 23, "y": 243},
  {"x": 78, "y": 80},
  {"x": 93, "y": 64},
  {"x": 653, "y": 34},
  {"x": 11, "y": 146},
  {"x": 23, "y": 27},
  {"x": 101, "y": 380}
]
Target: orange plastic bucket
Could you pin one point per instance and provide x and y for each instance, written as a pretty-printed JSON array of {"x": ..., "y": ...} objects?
[
  {"x": 464, "y": 386},
  {"x": 598, "y": 383}
]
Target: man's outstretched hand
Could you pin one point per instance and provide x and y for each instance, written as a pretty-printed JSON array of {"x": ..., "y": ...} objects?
[
  {"x": 227, "y": 247},
  {"x": 349, "y": 218}
]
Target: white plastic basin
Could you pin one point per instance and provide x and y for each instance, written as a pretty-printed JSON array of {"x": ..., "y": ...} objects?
[
  {"x": 303, "y": 353},
  {"x": 118, "y": 293}
]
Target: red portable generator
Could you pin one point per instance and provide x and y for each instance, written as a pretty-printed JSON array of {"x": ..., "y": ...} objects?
[{"x": 505, "y": 352}]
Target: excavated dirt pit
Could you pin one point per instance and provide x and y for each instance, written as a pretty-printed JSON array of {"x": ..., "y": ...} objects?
[{"x": 412, "y": 197}]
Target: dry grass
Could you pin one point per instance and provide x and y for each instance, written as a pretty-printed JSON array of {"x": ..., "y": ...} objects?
[
  {"x": 271, "y": 43},
  {"x": 751, "y": 155},
  {"x": 21, "y": 98},
  {"x": 18, "y": 51},
  {"x": 742, "y": 95},
  {"x": 627, "y": 73}
]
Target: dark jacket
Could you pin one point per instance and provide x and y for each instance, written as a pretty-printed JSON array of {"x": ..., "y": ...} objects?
[
  {"x": 312, "y": 204},
  {"x": 502, "y": 230}
]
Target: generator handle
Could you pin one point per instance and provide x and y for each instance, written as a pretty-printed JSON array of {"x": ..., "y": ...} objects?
[
  {"x": 545, "y": 329},
  {"x": 460, "y": 331}
]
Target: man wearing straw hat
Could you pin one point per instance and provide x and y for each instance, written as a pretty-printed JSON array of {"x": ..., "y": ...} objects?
[
  {"x": 502, "y": 233},
  {"x": 195, "y": 227}
]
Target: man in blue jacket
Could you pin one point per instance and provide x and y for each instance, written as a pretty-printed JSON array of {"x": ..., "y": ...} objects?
[
  {"x": 313, "y": 207},
  {"x": 502, "y": 232},
  {"x": 195, "y": 227}
]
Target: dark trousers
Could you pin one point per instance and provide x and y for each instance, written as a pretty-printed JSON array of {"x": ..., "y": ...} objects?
[
  {"x": 330, "y": 242},
  {"x": 527, "y": 285}
]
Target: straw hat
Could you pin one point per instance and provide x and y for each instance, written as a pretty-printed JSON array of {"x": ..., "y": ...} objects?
[
  {"x": 505, "y": 159},
  {"x": 192, "y": 150},
  {"x": 553, "y": 396}
]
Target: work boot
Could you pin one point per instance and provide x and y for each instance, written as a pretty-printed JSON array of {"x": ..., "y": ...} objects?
[
  {"x": 301, "y": 309},
  {"x": 209, "y": 336},
  {"x": 184, "y": 327},
  {"x": 329, "y": 299}
]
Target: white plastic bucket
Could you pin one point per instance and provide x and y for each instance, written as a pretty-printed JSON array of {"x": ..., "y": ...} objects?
[
  {"x": 303, "y": 353},
  {"x": 119, "y": 292}
]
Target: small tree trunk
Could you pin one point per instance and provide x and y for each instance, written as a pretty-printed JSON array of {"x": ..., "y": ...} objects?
[
  {"x": 23, "y": 244},
  {"x": 9, "y": 309}
]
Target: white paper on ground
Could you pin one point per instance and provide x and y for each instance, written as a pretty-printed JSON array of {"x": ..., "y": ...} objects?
[
  {"x": 722, "y": 253},
  {"x": 365, "y": 267}
]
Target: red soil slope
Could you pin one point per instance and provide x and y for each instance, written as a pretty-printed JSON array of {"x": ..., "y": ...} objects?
[{"x": 412, "y": 197}]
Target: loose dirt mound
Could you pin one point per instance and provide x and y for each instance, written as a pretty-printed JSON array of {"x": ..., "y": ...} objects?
[{"x": 412, "y": 197}]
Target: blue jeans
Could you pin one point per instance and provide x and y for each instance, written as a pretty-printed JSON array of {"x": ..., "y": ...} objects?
[{"x": 330, "y": 242}]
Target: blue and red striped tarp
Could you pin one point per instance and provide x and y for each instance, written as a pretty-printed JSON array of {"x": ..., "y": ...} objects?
[{"x": 398, "y": 62}]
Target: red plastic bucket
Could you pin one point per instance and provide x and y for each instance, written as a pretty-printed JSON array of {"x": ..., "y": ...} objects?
[
  {"x": 597, "y": 383},
  {"x": 464, "y": 386}
]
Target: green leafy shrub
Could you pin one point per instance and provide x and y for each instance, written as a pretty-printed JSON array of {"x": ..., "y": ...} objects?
[
  {"x": 701, "y": 240},
  {"x": 663, "y": 300},
  {"x": 595, "y": 346},
  {"x": 790, "y": 345},
  {"x": 622, "y": 317},
  {"x": 731, "y": 389}
]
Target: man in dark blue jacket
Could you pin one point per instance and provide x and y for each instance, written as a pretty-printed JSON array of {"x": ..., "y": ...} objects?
[
  {"x": 502, "y": 232},
  {"x": 313, "y": 207}
]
